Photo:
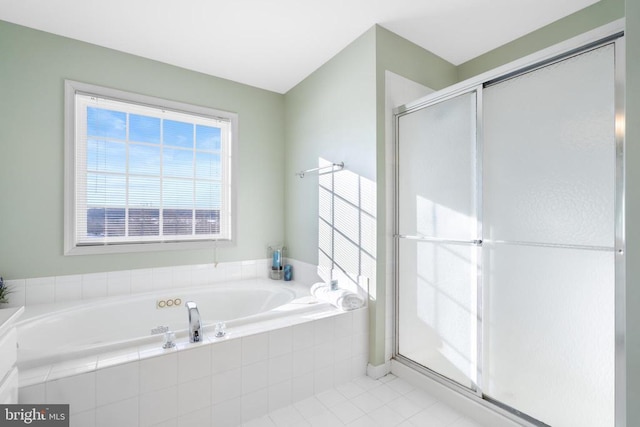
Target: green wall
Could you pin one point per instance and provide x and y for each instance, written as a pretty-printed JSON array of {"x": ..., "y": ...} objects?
[
  {"x": 337, "y": 114},
  {"x": 33, "y": 67},
  {"x": 330, "y": 115},
  {"x": 584, "y": 20},
  {"x": 632, "y": 206}
]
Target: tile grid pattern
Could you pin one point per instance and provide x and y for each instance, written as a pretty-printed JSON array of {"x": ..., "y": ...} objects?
[
  {"x": 221, "y": 383},
  {"x": 78, "y": 287},
  {"x": 365, "y": 402}
]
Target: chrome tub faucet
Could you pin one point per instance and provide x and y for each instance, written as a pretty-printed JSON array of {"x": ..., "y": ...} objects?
[{"x": 195, "y": 326}]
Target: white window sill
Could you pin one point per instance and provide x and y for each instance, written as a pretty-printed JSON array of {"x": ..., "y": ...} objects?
[{"x": 145, "y": 247}]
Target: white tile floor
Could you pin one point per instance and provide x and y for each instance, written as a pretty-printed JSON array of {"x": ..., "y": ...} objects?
[{"x": 365, "y": 402}]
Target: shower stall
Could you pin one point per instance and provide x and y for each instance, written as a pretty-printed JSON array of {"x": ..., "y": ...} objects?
[{"x": 509, "y": 243}]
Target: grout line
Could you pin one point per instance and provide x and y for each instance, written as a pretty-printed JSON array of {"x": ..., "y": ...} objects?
[{"x": 329, "y": 407}]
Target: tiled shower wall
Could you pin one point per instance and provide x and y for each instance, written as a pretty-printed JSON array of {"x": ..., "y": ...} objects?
[{"x": 219, "y": 382}]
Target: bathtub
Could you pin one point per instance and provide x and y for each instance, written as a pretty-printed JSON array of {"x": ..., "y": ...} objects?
[
  {"x": 101, "y": 358},
  {"x": 54, "y": 333}
]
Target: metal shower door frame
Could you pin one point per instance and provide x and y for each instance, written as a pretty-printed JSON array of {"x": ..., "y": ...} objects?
[{"x": 535, "y": 62}]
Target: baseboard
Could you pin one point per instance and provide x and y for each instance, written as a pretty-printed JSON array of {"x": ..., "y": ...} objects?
[{"x": 378, "y": 371}]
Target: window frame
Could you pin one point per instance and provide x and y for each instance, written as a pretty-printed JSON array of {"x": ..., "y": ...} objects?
[{"x": 72, "y": 171}]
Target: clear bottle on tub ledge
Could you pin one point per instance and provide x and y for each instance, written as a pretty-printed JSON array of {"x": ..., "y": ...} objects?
[
  {"x": 288, "y": 273},
  {"x": 276, "y": 254}
]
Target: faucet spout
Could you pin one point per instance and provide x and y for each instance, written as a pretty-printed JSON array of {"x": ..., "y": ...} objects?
[{"x": 195, "y": 326}]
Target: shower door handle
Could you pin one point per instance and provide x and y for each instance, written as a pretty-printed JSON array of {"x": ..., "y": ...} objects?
[{"x": 477, "y": 242}]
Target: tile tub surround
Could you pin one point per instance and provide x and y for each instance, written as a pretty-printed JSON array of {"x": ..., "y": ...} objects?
[
  {"x": 220, "y": 382},
  {"x": 76, "y": 287}
]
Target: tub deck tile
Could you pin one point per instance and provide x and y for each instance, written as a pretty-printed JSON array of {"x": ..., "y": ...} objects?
[
  {"x": 72, "y": 367},
  {"x": 245, "y": 375},
  {"x": 154, "y": 350},
  {"x": 33, "y": 376},
  {"x": 117, "y": 358}
]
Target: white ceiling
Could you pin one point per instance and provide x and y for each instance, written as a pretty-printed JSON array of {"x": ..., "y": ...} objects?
[{"x": 275, "y": 44}]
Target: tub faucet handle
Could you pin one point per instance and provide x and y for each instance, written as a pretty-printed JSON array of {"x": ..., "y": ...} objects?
[
  {"x": 220, "y": 330},
  {"x": 195, "y": 325},
  {"x": 169, "y": 337}
]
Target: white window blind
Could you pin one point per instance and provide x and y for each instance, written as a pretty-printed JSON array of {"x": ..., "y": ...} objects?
[{"x": 148, "y": 174}]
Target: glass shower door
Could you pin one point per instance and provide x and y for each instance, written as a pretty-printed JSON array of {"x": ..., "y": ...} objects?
[
  {"x": 508, "y": 250},
  {"x": 548, "y": 262},
  {"x": 437, "y": 238}
]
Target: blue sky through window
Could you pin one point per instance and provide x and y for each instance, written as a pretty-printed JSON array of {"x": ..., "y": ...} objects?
[
  {"x": 177, "y": 163},
  {"x": 178, "y": 134},
  {"x": 106, "y": 190},
  {"x": 177, "y": 193},
  {"x": 106, "y": 156},
  {"x": 106, "y": 123},
  {"x": 208, "y": 166},
  {"x": 144, "y": 129},
  {"x": 208, "y": 195},
  {"x": 144, "y": 192},
  {"x": 145, "y": 161},
  {"x": 207, "y": 138}
]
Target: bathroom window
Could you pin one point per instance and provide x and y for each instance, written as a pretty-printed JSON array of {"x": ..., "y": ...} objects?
[{"x": 145, "y": 173}]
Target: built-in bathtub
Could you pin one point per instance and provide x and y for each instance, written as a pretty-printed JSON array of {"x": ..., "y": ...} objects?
[
  {"x": 101, "y": 357},
  {"x": 52, "y": 333}
]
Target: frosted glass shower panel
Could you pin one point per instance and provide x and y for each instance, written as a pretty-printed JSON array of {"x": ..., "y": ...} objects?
[
  {"x": 437, "y": 311},
  {"x": 549, "y": 153},
  {"x": 436, "y": 182},
  {"x": 549, "y": 333}
]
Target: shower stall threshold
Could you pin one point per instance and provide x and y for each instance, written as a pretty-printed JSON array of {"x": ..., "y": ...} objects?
[{"x": 468, "y": 404}]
